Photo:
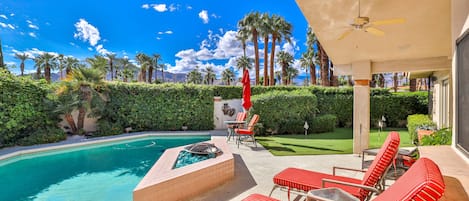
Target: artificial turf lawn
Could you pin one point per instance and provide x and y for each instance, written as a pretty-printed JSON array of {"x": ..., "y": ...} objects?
[{"x": 337, "y": 142}]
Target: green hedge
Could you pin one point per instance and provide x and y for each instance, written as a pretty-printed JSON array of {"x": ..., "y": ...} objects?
[
  {"x": 324, "y": 123},
  {"x": 26, "y": 112},
  {"x": 418, "y": 121},
  {"x": 439, "y": 137},
  {"x": 156, "y": 107},
  {"x": 284, "y": 112}
]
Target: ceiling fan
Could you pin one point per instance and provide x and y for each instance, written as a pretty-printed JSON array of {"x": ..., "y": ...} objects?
[{"x": 363, "y": 23}]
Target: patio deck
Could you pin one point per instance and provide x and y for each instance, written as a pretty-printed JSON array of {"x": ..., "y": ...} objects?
[{"x": 255, "y": 168}]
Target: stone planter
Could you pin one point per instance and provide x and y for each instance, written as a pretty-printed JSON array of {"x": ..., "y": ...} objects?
[{"x": 421, "y": 133}]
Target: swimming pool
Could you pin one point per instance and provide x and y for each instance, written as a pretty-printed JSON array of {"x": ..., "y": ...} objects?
[{"x": 98, "y": 172}]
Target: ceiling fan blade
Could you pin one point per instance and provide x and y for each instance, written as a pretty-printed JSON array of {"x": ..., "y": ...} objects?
[
  {"x": 390, "y": 21},
  {"x": 374, "y": 31},
  {"x": 346, "y": 33}
]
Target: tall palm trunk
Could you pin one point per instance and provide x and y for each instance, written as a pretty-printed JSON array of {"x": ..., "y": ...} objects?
[
  {"x": 272, "y": 56},
  {"x": 256, "y": 54},
  {"x": 312, "y": 73},
  {"x": 395, "y": 81},
  {"x": 47, "y": 73},
  {"x": 324, "y": 61},
  {"x": 38, "y": 72},
  {"x": 22, "y": 68},
  {"x": 71, "y": 122},
  {"x": 334, "y": 80},
  {"x": 150, "y": 74},
  {"x": 86, "y": 96},
  {"x": 284, "y": 74},
  {"x": 162, "y": 74},
  {"x": 68, "y": 71},
  {"x": 266, "y": 61},
  {"x": 111, "y": 69}
]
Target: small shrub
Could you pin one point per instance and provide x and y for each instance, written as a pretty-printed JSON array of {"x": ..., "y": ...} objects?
[
  {"x": 324, "y": 123},
  {"x": 418, "y": 121},
  {"x": 439, "y": 137}
]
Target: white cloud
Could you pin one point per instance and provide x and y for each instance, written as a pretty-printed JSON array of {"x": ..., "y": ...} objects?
[
  {"x": 215, "y": 16},
  {"x": 32, "y": 26},
  {"x": 87, "y": 32},
  {"x": 173, "y": 7},
  {"x": 4, "y": 17},
  {"x": 34, "y": 52},
  {"x": 145, "y": 6},
  {"x": 228, "y": 46},
  {"x": 29, "y": 21},
  {"x": 90, "y": 48},
  {"x": 159, "y": 7},
  {"x": 158, "y": 38},
  {"x": 204, "y": 16},
  {"x": 32, "y": 34},
  {"x": 204, "y": 54},
  {"x": 73, "y": 44},
  {"x": 101, "y": 50},
  {"x": 3, "y": 25},
  {"x": 168, "y": 32},
  {"x": 290, "y": 47},
  {"x": 12, "y": 14},
  {"x": 189, "y": 7},
  {"x": 11, "y": 26}
]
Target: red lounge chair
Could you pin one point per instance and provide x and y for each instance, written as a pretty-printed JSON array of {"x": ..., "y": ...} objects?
[
  {"x": 249, "y": 131},
  {"x": 305, "y": 180},
  {"x": 422, "y": 182},
  {"x": 241, "y": 116}
]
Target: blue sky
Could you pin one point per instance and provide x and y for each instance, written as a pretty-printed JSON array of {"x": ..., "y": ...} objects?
[{"x": 185, "y": 33}]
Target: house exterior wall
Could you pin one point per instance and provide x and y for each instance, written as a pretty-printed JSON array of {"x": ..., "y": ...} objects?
[
  {"x": 440, "y": 77},
  {"x": 459, "y": 25}
]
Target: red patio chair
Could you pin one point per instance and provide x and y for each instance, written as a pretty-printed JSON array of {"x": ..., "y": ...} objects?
[
  {"x": 305, "y": 180},
  {"x": 422, "y": 182},
  {"x": 241, "y": 116},
  {"x": 249, "y": 131}
]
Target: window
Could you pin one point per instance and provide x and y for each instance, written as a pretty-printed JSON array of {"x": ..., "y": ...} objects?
[{"x": 462, "y": 101}]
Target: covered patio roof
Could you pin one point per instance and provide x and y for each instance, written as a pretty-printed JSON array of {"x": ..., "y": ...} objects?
[{"x": 421, "y": 43}]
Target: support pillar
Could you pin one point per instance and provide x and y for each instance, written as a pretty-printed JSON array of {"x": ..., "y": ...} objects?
[
  {"x": 361, "y": 115},
  {"x": 361, "y": 72}
]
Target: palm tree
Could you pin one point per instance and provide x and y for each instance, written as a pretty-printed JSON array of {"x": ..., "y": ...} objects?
[
  {"x": 227, "y": 76},
  {"x": 98, "y": 62},
  {"x": 291, "y": 73},
  {"x": 250, "y": 23},
  {"x": 2, "y": 64},
  {"x": 209, "y": 75},
  {"x": 45, "y": 61},
  {"x": 162, "y": 66},
  {"x": 194, "y": 76},
  {"x": 70, "y": 63},
  {"x": 67, "y": 103},
  {"x": 145, "y": 62},
  {"x": 285, "y": 59},
  {"x": 311, "y": 54},
  {"x": 155, "y": 59},
  {"x": 323, "y": 61},
  {"x": 278, "y": 76},
  {"x": 243, "y": 36},
  {"x": 23, "y": 58},
  {"x": 244, "y": 63},
  {"x": 305, "y": 63},
  {"x": 265, "y": 28},
  {"x": 127, "y": 69},
  {"x": 281, "y": 29},
  {"x": 111, "y": 57},
  {"x": 86, "y": 82},
  {"x": 395, "y": 81}
]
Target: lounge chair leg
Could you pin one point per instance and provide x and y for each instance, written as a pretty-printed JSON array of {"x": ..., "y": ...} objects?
[{"x": 273, "y": 188}]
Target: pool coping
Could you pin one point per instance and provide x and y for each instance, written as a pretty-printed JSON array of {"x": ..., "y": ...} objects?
[{"x": 77, "y": 141}]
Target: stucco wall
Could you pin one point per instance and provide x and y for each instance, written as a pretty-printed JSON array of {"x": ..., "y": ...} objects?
[
  {"x": 233, "y": 106},
  {"x": 437, "y": 98}
]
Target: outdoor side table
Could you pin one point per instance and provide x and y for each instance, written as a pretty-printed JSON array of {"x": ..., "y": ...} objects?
[
  {"x": 329, "y": 194},
  {"x": 231, "y": 126}
]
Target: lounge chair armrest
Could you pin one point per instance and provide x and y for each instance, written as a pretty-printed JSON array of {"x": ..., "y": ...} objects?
[
  {"x": 369, "y": 188},
  {"x": 344, "y": 168}
]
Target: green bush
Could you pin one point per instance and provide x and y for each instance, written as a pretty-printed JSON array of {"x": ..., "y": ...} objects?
[
  {"x": 284, "y": 112},
  {"x": 157, "y": 107},
  {"x": 439, "y": 137},
  {"x": 416, "y": 121},
  {"x": 26, "y": 112},
  {"x": 324, "y": 123}
]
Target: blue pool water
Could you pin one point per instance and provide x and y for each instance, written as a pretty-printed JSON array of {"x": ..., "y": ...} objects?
[{"x": 92, "y": 173}]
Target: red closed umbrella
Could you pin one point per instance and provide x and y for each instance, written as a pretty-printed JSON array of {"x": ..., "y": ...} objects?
[{"x": 246, "y": 90}]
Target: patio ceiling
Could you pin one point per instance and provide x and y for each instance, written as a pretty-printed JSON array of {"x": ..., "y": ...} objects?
[{"x": 421, "y": 43}]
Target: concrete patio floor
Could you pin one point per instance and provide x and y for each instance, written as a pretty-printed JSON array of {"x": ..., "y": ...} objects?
[{"x": 255, "y": 168}]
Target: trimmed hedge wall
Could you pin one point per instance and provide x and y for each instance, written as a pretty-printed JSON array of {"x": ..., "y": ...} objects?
[
  {"x": 26, "y": 112},
  {"x": 284, "y": 112},
  {"x": 324, "y": 123},
  {"x": 156, "y": 107}
]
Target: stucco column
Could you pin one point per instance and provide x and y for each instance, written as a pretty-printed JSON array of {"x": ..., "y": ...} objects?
[{"x": 361, "y": 72}]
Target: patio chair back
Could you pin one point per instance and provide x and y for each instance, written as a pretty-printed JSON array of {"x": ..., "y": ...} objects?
[
  {"x": 382, "y": 161},
  {"x": 253, "y": 122},
  {"x": 241, "y": 116},
  {"x": 423, "y": 181}
]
